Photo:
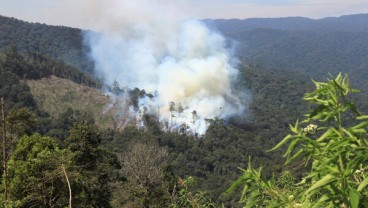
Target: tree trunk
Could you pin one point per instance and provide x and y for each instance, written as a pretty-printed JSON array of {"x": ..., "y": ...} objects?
[
  {"x": 4, "y": 149},
  {"x": 70, "y": 190}
]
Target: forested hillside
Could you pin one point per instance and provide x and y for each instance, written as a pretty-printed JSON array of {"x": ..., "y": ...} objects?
[
  {"x": 56, "y": 42},
  {"x": 317, "y": 47},
  {"x": 56, "y": 144}
]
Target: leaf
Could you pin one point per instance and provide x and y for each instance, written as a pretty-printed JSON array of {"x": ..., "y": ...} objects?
[
  {"x": 325, "y": 180},
  {"x": 332, "y": 169},
  {"x": 328, "y": 116},
  {"x": 353, "y": 108},
  {"x": 339, "y": 146},
  {"x": 286, "y": 139},
  {"x": 324, "y": 135},
  {"x": 338, "y": 85},
  {"x": 294, "y": 128},
  {"x": 359, "y": 158},
  {"x": 239, "y": 182},
  {"x": 317, "y": 110},
  {"x": 362, "y": 117},
  {"x": 252, "y": 200},
  {"x": 323, "y": 102},
  {"x": 291, "y": 147},
  {"x": 320, "y": 202},
  {"x": 316, "y": 145},
  {"x": 360, "y": 125},
  {"x": 353, "y": 198},
  {"x": 362, "y": 185},
  {"x": 358, "y": 131},
  {"x": 294, "y": 156},
  {"x": 351, "y": 136}
]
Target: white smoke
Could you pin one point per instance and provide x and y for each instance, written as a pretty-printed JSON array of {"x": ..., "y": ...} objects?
[{"x": 162, "y": 52}]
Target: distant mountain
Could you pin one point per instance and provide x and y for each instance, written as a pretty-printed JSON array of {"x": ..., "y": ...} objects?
[
  {"x": 56, "y": 42},
  {"x": 318, "y": 47},
  {"x": 357, "y": 22}
]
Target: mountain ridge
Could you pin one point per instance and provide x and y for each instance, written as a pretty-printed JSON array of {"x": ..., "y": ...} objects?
[
  {"x": 56, "y": 42},
  {"x": 345, "y": 22}
]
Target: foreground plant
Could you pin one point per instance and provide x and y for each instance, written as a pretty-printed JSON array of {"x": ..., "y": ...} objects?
[
  {"x": 186, "y": 198},
  {"x": 338, "y": 155}
]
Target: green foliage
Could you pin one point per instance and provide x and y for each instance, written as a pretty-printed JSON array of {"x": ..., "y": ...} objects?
[
  {"x": 35, "y": 66},
  {"x": 21, "y": 122},
  {"x": 259, "y": 192},
  {"x": 96, "y": 167},
  {"x": 313, "y": 46},
  {"x": 83, "y": 141},
  {"x": 16, "y": 93},
  {"x": 35, "y": 177},
  {"x": 184, "y": 197},
  {"x": 212, "y": 159},
  {"x": 56, "y": 42},
  {"x": 338, "y": 154}
]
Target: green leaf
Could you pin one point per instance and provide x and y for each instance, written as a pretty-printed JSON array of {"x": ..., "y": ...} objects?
[
  {"x": 320, "y": 202},
  {"x": 324, "y": 135},
  {"x": 332, "y": 169},
  {"x": 286, "y": 139},
  {"x": 291, "y": 147},
  {"x": 359, "y": 158},
  {"x": 312, "y": 142},
  {"x": 362, "y": 185},
  {"x": 338, "y": 85},
  {"x": 360, "y": 125},
  {"x": 239, "y": 182},
  {"x": 358, "y": 131},
  {"x": 322, "y": 102},
  {"x": 353, "y": 108},
  {"x": 339, "y": 145},
  {"x": 294, "y": 128},
  {"x": 294, "y": 156},
  {"x": 325, "y": 180},
  {"x": 362, "y": 117},
  {"x": 252, "y": 200},
  {"x": 317, "y": 110},
  {"x": 353, "y": 198}
]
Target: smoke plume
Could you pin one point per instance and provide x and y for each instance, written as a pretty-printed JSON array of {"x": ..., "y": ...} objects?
[{"x": 151, "y": 45}]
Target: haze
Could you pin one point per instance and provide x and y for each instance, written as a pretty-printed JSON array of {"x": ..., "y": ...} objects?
[{"x": 80, "y": 13}]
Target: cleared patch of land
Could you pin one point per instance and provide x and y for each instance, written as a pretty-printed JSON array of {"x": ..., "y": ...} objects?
[{"x": 55, "y": 95}]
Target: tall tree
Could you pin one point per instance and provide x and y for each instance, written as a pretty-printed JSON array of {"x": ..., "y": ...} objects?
[
  {"x": 21, "y": 122},
  {"x": 35, "y": 174},
  {"x": 96, "y": 167}
]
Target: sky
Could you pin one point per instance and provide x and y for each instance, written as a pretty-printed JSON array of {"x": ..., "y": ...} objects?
[{"x": 80, "y": 13}]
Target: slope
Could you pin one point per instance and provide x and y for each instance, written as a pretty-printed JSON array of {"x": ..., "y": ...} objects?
[
  {"x": 56, "y": 42},
  {"x": 56, "y": 96},
  {"x": 317, "y": 47}
]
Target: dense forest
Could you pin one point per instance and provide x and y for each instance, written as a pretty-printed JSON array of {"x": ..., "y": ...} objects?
[
  {"x": 50, "y": 155},
  {"x": 55, "y": 42},
  {"x": 316, "y": 47}
]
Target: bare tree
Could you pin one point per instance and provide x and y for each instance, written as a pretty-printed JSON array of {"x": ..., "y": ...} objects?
[
  {"x": 144, "y": 164},
  {"x": 194, "y": 115}
]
